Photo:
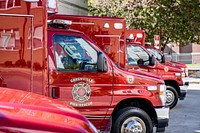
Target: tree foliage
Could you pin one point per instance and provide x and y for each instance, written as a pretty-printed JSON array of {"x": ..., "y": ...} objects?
[{"x": 174, "y": 20}]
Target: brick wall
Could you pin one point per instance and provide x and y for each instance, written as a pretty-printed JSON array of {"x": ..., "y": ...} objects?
[
  {"x": 191, "y": 48},
  {"x": 189, "y": 54}
]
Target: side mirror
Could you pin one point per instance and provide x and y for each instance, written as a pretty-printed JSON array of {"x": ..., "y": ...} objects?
[
  {"x": 101, "y": 63},
  {"x": 163, "y": 58},
  {"x": 140, "y": 62},
  {"x": 152, "y": 60}
]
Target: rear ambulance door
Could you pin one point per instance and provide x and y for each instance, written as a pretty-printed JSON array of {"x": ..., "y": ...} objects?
[{"x": 14, "y": 52}]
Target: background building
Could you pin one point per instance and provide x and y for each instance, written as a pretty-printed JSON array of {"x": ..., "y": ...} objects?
[
  {"x": 189, "y": 54},
  {"x": 73, "y": 7}
]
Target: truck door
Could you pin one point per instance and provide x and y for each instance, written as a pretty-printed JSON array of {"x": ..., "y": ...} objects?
[{"x": 74, "y": 78}]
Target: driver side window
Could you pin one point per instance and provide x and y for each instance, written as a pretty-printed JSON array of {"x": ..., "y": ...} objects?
[
  {"x": 73, "y": 53},
  {"x": 137, "y": 55},
  {"x": 156, "y": 54}
]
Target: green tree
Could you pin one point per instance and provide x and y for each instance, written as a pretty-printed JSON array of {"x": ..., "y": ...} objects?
[{"x": 174, "y": 20}]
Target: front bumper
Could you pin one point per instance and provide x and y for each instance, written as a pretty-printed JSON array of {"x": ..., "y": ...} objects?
[
  {"x": 162, "y": 117},
  {"x": 183, "y": 88}
]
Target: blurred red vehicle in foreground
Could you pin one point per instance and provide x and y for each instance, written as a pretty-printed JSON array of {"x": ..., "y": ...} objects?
[{"x": 26, "y": 112}]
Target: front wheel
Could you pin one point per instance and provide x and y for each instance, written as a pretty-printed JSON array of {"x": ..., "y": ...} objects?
[
  {"x": 132, "y": 120},
  {"x": 172, "y": 96}
]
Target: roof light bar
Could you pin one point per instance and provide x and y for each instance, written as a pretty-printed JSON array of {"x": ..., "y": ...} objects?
[
  {"x": 30, "y": 0},
  {"x": 61, "y": 21}
]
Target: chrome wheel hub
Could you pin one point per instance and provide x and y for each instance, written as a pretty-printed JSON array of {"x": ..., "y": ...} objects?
[
  {"x": 133, "y": 125},
  {"x": 170, "y": 97}
]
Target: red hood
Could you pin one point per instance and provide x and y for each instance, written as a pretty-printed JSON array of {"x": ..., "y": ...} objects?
[
  {"x": 31, "y": 111},
  {"x": 176, "y": 64},
  {"x": 170, "y": 68},
  {"x": 146, "y": 74}
]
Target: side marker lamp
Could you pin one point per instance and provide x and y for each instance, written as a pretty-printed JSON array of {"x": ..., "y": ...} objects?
[
  {"x": 152, "y": 88},
  {"x": 118, "y": 25},
  {"x": 139, "y": 35}
]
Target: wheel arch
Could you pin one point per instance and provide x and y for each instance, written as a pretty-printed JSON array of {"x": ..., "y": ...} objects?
[
  {"x": 140, "y": 103},
  {"x": 173, "y": 84}
]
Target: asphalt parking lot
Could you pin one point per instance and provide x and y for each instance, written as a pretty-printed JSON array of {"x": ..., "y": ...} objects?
[{"x": 185, "y": 117}]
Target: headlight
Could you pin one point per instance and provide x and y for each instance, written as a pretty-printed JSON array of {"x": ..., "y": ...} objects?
[
  {"x": 183, "y": 73},
  {"x": 163, "y": 94}
]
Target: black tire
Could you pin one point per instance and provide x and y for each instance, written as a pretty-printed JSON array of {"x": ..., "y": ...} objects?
[
  {"x": 133, "y": 116},
  {"x": 172, "y": 96}
]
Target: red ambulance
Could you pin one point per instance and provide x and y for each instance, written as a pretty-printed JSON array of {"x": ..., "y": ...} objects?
[
  {"x": 47, "y": 57},
  {"x": 26, "y": 112}
]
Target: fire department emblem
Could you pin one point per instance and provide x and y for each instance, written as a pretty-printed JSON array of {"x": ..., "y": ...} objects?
[
  {"x": 130, "y": 79},
  {"x": 81, "y": 92},
  {"x": 166, "y": 69}
]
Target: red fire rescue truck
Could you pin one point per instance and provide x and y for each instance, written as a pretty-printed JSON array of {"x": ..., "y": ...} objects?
[
  {"x": 139, "y": 58},
  {"x": 26, "y": 112},
  {"x": 140, "y": 36},
  {"x": 50, "y": 59},
  {"x": 161, "y": 58},
  {"x": 110, "y": 37}
]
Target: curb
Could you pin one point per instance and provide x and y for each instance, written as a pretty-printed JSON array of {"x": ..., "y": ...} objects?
[
  {"x": 194, "y": 84},
  {"x": 193, "y": 68},
  {"x": 194, "y": 81}
]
